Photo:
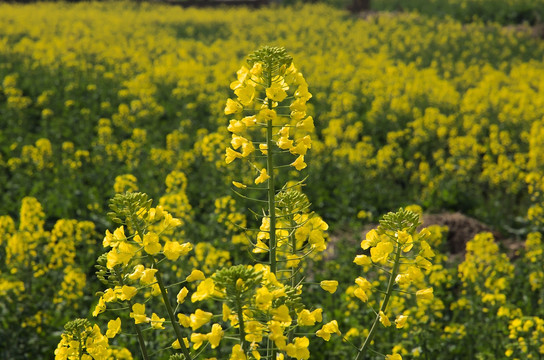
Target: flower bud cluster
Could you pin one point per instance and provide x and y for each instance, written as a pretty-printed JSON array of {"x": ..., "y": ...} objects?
[{"x": 271, "y": 92}]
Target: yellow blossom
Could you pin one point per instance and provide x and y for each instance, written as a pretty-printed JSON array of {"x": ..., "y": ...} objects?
[
  {"x": 204, "y": 290},
  {"x": 197, "y": 339},
  {"x": 225, "y": 312},
  {"x": 237, "y": 353},
  {"x": 384, "y": 319},
  {"x": 176, "y": 345},
  {"x": 148, "y": 276},
  {"x": 110, "y": 295},
  {"x": 184, "y": 320},
  {"x": 114, "y": 327},
  {"x": 372, "y": 238},
  {"x": 276, "y": 92},
  {"x": 329, "y": 285},
  {"x": 328, "y": 329},
  {"x": 137, "y": 273},
  {"x": 138, "y": 313},
  {"x": 306, "y": 318},
  {"x": 425, "y": 294},
  {"x": 247, "y": 149},
  {"x": 263, "y": 176},
  {"x": 239, "y": 185},
  {"x": 284, "y": 143},
  {"x": 362, "y": 291},
  {"x": 215, "y": 336},
  {"x": 299, "y": 348},
  {"x": 169, "y": 222},
  {"x": 173, "y": 249},
  {"x": 260, "y": 247},
  {"x": 254, "y": 331},
  {"x": 181, "y": 295},
  {"x": 299, "y": 163},
  {"x": 151, "y": 243},
  {"x": 245, "y": 95},
  {"x": 302, "y": 92},
  {"x": 393, "y": 357},
  {"x": 263, "y": 298},
  {"x": 231, "y": 155},
  {"x": 100, "y": 307},
  {"x": 233, "y": 107},
  {"x": 236, "y": 126},
  {"x": 362, "y": 260},
  {"x": 381, "y": 251},
  {"x": 250, "y": 120},
  {"x": 281, "y": 314},
  {"x": 128, "y": 292},
  {"x": 195, "y": 275},
  {"x": 306, "y": 124},
  {"x": 200, "y": 318},
  {"x": 400, "y": 321},
  {"x": 156, "y": 321},
  {"x": 301, "y": 147}
]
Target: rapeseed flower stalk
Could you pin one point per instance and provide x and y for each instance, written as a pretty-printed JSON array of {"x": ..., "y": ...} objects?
[
  {"x": 259, "y": 109},
  {"x": 271, "y": 131},
  {"x": 131, "y": 265},
  {"x": 398, "y": 250}
]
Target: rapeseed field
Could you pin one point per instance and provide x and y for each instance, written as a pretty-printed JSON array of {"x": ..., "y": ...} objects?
[{"x": 183, "y": 183}]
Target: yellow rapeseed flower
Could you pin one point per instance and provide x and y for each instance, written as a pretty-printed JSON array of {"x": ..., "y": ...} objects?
[
  {"x": 263, "y": 176},
  {"x": 329, "y": 285},
  {"x": 181, "y": 295},
  {"x": 195, "y": 275},
  {"x": 114, "y": 327}
]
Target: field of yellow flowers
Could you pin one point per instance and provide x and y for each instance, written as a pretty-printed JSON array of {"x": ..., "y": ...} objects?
[{"x": 102, "y": 101}]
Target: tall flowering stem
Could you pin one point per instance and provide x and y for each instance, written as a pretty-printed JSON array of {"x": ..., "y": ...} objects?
[
  {"x": 262, "y": 89},
  {"x": 130, "y": 267},
  {"x": 170, "y": 311},
  {"x": 383, "y": 307},
  {"x": 395, "y": 247},
  {"x": 272, "y": 132}
]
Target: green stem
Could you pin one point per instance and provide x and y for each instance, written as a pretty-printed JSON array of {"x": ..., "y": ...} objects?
[
  {"x": 271, "y": 184},
  {"x": 271, "y": 190},
  {"x": 170, "y": 311},
  {"x": 241, "y": 323},
  {"x": 383, "y": 307},
  {"x": 80, "y": 350},
  {"x": 293, "y": 239},
  {"x": 141, "y": 341},
  {"x": 139, "y": 334}
]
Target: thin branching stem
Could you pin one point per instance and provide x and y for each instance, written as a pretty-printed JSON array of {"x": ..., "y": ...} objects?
[{"x": 383, "y": 307}]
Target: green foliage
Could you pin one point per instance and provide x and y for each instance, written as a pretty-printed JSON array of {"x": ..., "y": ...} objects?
[{"x": 501, "y": 11}]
